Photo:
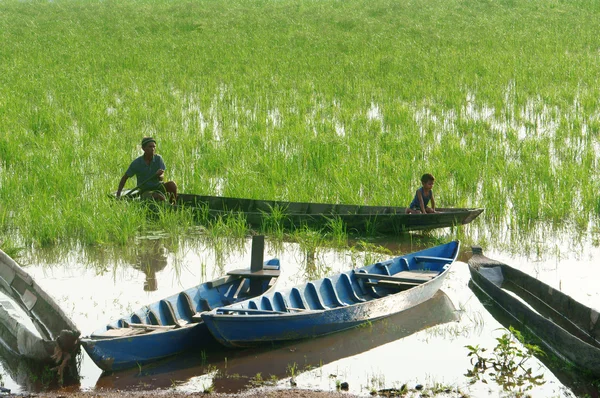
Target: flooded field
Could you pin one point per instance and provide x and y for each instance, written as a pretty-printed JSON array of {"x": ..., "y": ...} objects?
[{"x": 423, "y": 346}]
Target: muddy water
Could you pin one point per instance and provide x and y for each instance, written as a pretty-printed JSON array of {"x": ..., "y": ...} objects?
[{"x": 425, "y": 345}]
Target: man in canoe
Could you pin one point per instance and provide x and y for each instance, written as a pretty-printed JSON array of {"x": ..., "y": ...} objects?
[{"x": 149, "y": 170}]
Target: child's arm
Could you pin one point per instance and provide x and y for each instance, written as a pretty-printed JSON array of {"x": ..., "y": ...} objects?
[
  {"x": 432, "y": 202},
  {"x": 421, "y": 203}
]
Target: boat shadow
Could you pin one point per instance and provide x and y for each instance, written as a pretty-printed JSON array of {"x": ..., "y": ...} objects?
[
  {"x": 580, "y": 384},
  {"x": 235, "y": 370}
]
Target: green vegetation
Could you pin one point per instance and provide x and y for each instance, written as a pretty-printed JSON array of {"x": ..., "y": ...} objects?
[
  {"x": 337, "y": 101},
  {"x": 507, "y": 365}
]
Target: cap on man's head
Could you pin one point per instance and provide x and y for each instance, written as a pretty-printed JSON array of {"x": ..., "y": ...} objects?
[{"x": 147, "y": 140}]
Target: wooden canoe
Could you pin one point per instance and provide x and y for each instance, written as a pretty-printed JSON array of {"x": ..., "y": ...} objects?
[
  {"x": 174, "y": 324},
  {"x": 32, "y": 326},
  {"x": 567, "y": 328},
  {"x": 356, "y": 218},
  {"x": 334, "y": 303}
]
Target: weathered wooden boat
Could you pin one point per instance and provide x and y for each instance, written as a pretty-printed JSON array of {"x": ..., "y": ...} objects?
[
  {"x": 356, "y": 218},
  {"x": 174, "y": 324},
  {"x": 334, "y": 303},
  {"x": 32, "y": 326},
  {"x": 565, "y": 327}
]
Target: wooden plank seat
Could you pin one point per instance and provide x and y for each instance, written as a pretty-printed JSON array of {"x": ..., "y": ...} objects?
[
  {"x": 430, "y": 259},
  {"x": 262, "y": 274},
  {"x": 132, "y": 329},
  {"x": 118, "y": 332},
  {"x": 411, "y": 277}
]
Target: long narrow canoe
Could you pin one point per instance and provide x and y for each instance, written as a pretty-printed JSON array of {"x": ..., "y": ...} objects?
[
  {"x": 565, "y": 327},
  {"x": 357, "y": 218},
  {"x": 174, "y": 324},
  {"x": 334, "y": 303}
]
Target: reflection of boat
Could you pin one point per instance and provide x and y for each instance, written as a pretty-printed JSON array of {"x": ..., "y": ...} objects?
[
  {"x": 173, "y": 324},
  {"x": 566, "y": 327},
  {"x": 334, "y": 303},
  {"x": 32, "y": 325},
  {"x": 233, "y": 373}
]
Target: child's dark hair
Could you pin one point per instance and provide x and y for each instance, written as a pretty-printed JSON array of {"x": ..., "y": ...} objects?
[{"x": 427, "y": 177}]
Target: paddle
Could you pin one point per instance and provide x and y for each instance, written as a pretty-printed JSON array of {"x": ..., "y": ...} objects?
[{"x": 138, "y": 187}]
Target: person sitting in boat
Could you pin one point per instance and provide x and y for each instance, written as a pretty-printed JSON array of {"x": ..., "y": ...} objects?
[
  {"x": 423, "y": 196},
  {"x": 149, "y": 170}
]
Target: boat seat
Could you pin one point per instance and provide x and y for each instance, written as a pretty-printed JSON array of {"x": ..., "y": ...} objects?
[
  {"x": 166, "y": 308},
  {"x": 117, "y": 332},
  {"x": 346, "y": 284},
  {"x": 368, "y": 289},
  {"x": 186, "y": 305},
  {"x": 404, "y": 264},
  {"x": 280, "y": 302},
  {"x": 232, "y": 293},
  {"x": 402, "y": 276},
  {"x": 312, "y": 293},
  {"x": 417, "y": 275},
  {"x": 430, "y": 259},
  {"x": 152, "y": 317},
  {"x": 385, "y": 267},
  {"x": 204, "y": 307},
  {"x": 297, "y": 300},
  {"x": 266, "y": 304},
  {"x": 328, "y": 291}
]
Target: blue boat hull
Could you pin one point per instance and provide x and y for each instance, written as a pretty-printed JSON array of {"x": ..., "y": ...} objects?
[
  {"x": 335, "y": 303},
  {"x": 171, "y": 325},
  {"x": 124, "y": 353}
]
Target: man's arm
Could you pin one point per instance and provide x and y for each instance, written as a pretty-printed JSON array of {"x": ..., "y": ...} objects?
[{"x": 122, "y": 184}]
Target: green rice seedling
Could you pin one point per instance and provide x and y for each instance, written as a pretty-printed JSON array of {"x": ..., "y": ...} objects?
[
  {"x": 236, "y": 225},
  {"x": 337, "y": 231},
  {"x": 274, "y": 221}
]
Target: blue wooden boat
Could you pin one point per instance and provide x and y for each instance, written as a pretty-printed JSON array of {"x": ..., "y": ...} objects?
[
  {"x": 334, "y": 303},
  {"x": 174, "y": 324}
]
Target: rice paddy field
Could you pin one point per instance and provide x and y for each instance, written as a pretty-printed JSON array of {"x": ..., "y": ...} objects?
[{"x": 305, "y": 100}]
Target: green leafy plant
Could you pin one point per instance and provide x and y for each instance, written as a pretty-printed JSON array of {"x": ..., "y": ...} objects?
[{"x": 507, "y": 364}]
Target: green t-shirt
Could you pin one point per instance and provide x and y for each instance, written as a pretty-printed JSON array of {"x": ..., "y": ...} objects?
[{"x": 143, "y": 171}]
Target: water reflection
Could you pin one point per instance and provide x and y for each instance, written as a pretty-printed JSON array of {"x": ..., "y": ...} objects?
[
  {"x": 95, "y": 285},
  {"x": 232, "y": 371},
  {"x": 581, "y": 384},
  {"x": 152, "y": 258}
]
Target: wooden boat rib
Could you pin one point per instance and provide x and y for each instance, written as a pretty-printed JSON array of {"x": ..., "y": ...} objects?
[
  {"x": 566, "y": 327},
  {"x": 174, "y": 324},
  {"x": 334, "y": 303},
  {"x": 357, "y": 218}
]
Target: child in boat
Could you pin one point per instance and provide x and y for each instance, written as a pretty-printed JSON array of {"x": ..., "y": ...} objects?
[{"x": 423, "y": 196}]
